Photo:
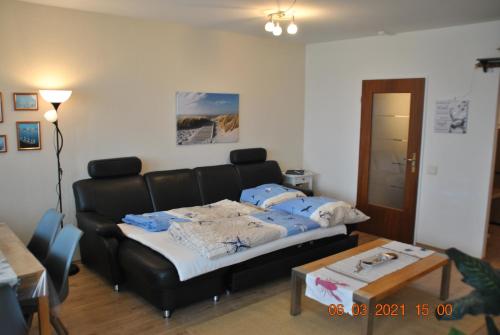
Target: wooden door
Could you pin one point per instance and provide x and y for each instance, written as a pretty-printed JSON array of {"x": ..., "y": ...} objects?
[{"x": 389, "y": 156}]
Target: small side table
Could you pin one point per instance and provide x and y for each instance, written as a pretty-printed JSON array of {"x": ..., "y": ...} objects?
[{"x": 305, "y": 180}]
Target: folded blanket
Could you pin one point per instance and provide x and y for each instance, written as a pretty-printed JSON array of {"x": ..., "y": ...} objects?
[
  {"x": 293, "y": 224},
  {"x": 217, "y": 210},
  {"x": 153, "y": 222},
  {"x": 267, "y": 195},
  {"x": 213, "y": 239},
  {"x": 325, "y": 211}
]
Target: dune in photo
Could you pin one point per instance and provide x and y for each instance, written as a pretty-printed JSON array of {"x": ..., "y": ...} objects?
[{"x": 204, "y": 118}]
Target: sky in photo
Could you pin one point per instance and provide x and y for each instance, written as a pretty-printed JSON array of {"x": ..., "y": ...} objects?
[{"x": 194, "y": 103}]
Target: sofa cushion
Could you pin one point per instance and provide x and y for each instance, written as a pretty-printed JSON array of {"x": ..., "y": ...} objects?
[
  {"x": 113, "y": 198},
  {"x": 256, "y": 174},
  {"x": 114, "y": 167},
  {"x": 218, "y": 183},
  {"x": 173, "y": 189},
  {"x": 246, "y": 156}
]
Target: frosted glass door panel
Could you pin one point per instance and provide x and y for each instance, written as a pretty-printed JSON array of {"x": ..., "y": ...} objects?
[{"x": 389, "y": 144}]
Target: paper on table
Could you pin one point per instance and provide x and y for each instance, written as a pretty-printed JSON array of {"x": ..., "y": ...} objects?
[
  {"x": 349, "y": 265},
  {"x": 408, "y": 249},
  {"x": 7, "y": 274},
  {"x": 329, "y": 287}
]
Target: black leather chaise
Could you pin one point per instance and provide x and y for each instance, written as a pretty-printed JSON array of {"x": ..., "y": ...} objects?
[{"x": 116, "y": 188}]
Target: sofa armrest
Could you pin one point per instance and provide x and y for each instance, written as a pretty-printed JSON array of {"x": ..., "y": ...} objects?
[
  {"x": 91, "y": 221},
  {"x": 307, "y": 192},
  {"x": 99, "y": 245}
]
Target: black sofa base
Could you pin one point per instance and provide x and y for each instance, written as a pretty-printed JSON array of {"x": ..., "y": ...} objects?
[
  {"x": 155, "y": 278},
  {"x": 278, "y": 264}
]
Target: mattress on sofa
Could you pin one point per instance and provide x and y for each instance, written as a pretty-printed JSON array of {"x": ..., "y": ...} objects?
[{"x": 190, "y": 264}]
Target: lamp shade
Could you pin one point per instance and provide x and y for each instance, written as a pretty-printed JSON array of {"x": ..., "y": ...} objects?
[
  {"x": 292, "y": 28},
  {"x": 277, "y": 30},
  {"x": 51, "y": 115},
  {"x": 55, "y": 96},
  {"x": 269, "y": 26}
]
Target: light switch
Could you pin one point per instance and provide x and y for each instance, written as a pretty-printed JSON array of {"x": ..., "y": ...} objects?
[{"x": 432, "y": 170}]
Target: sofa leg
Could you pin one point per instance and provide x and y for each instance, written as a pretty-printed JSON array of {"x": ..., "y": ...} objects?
[
  {"x": 167, "y": 314},
  {"x": 116, "y": 288},
  {"x": 216, "y": 298}
]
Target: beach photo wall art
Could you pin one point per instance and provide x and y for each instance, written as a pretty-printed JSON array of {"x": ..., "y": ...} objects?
[
  {"x": 207, "y": 118},
  {"x": 25, "y": 101},
  {"x": 28, "y": 135},
  {"x": 3, "y": 143}
]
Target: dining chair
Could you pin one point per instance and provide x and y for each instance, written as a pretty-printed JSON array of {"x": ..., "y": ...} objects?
[
  {"x": 57, "y": 265},
  {"x": 11, "y": 317},
  {"x": 45, "y": 233}
]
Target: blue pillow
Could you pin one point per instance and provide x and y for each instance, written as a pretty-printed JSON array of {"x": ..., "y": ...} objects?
[
  {"x": 267, "y": 195},
  {"x": 325, "y": 211}
]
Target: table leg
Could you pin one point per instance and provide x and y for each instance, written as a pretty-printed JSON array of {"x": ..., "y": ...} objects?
[
  {"x": 445, "y": 281},
  {"x": 296, "y": 294},
  {"x": 44, "y": 315},
  {"x": 367, "y": 321}
]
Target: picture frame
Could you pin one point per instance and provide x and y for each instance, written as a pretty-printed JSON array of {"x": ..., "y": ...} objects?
[
  {"x": 29, "y": 136},
  {"x": 25, "y": 101},
  {"x": 3, "y": 144},
  {"x": 1, "y": 107},
  {"x": 207, "y": 118}
]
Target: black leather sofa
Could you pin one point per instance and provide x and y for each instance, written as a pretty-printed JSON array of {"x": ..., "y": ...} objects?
[{"x": 117, "y": 188}]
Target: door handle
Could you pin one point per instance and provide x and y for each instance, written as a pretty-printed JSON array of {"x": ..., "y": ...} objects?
[{"x": 413, "y": 162}]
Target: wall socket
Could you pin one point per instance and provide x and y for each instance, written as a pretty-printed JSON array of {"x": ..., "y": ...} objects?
[{"x": 432, "y": 170}]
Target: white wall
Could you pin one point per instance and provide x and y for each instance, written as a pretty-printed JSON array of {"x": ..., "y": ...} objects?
[
  {"x": 452, "y": 205},
  {"x": 124, "y": 74}
]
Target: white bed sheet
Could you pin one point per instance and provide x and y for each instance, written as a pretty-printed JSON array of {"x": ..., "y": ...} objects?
[{"x": 190, "y": 264}]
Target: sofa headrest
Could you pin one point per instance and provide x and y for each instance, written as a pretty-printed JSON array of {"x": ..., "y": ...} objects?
[
  {"x": 245, "y": 156},
  {"x": 114, "y": 167},
  {"x": 173, "y": 189},
  {"x": 218, "y": 182}
]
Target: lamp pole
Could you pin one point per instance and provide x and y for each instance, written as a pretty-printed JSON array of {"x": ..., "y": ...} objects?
[
  {"x": 59, "y": 146},
  {"x": 56, "y": 97}
]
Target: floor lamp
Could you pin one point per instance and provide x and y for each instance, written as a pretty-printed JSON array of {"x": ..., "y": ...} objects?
[{"x": 56, "y": 98}]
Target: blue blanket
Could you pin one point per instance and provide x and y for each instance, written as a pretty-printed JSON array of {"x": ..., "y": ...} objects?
[
  {"x": 153, "y": 222},
  {"x": 293, "y": 224},
  {"x": 268, "y": 194},
  {"x": 303, "y": 206}
]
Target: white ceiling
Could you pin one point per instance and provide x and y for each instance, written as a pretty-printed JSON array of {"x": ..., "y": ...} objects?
[{"x": 318, "y": 20}]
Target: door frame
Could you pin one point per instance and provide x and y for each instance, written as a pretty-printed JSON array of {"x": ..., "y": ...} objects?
[
  {"x": 417, "y": 132},
  {"x": 492, "y": 176}
]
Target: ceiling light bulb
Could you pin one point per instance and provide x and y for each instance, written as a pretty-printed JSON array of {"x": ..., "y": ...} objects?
[
  {"x": 269, "y": 27},
  {"x": 292, "y": 28},
  {"x": 277, "y": 30},
  {"x": 51, "y": 115}
]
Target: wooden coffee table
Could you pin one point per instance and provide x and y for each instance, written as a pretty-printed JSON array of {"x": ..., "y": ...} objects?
[{"x": 379, "y": 289}]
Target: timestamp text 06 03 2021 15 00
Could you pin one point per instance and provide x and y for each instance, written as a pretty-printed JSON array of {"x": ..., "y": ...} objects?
[{"x": 391, "y": 310}]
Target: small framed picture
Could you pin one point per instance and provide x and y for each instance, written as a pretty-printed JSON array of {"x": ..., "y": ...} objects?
[
  {"x": 28, "y": 135},
  {"x": 26, "y": 101},
  {"x": 1, "y": 107},
  {"x": 3, "y": 143}
]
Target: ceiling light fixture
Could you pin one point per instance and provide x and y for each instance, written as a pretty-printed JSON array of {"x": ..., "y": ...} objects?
[
  {"x": 292, "y": 27},
  {"x": 273, "y": 21},
  {"x": 277, "y": 30},
  {"x": 269, "y": 27}
]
